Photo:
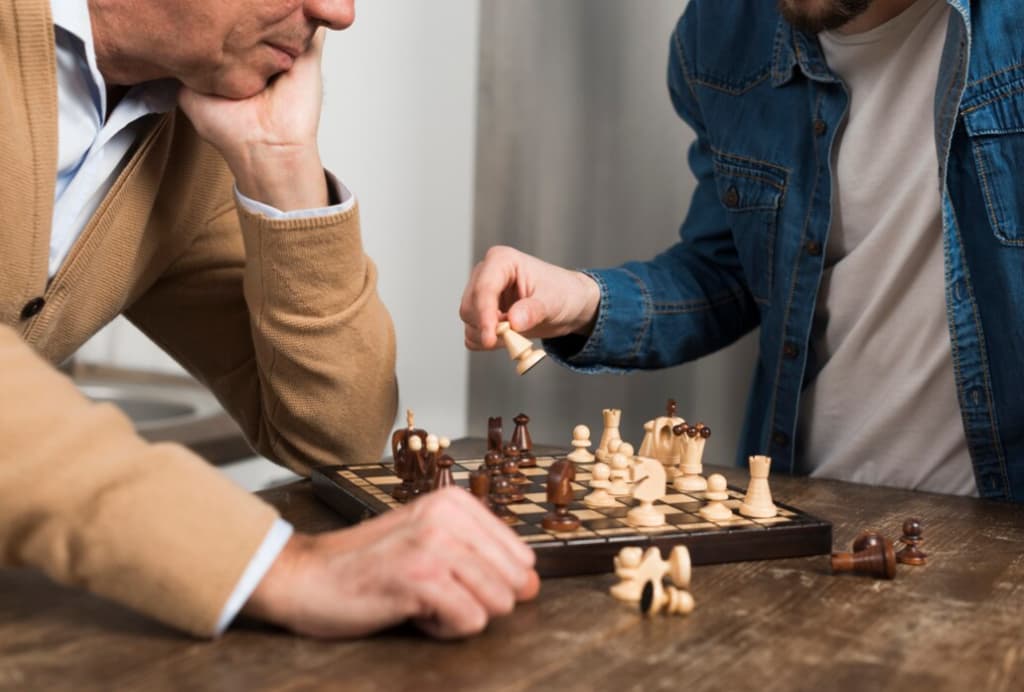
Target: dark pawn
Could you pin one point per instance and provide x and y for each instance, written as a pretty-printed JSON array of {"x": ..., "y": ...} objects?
[
  {"x": 878, "y": 560},
  {"x": 911, "y": 539},
  {"x": 495, "y": 437},
  {"x": 503, "y": 495},
  {"x": 560, "y": 494},
  {"x": 521, "y": 439},
  {"x": 492, "y": 462},
  {"x": 867, "y": 539},
  {"x": 443, "y": 472},
  {"x": 510, "y": 466},
  {"x": 480, "y": 486}
]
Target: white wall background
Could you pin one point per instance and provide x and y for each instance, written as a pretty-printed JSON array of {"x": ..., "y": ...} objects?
[{"x": 399, "y": 128}]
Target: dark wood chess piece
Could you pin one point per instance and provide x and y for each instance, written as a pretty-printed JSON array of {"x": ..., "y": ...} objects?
[
  {"x": 560, "y": 477},
  {"x": 502, "y": 495},
  {"x": 407, "y": 462},
  {"x": 510, "y": 466},
  {"x": 492, "y": 462},
  {"x": 670, "y": 408},
  {"x": 495, "y": 437},
  {"x": 911, "y": 554},
  {"x": 443, "y": 473},
  {"x": 878, "y": 560},
  {"x": 866, "y": 539},
  {"x": 480, "y": 486},
  {"x": 521, "y": 439}
]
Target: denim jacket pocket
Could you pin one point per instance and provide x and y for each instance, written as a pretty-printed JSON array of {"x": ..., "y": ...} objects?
[
  {"x": 995, "y": 125},
  {"x": 752, "y": 193}
]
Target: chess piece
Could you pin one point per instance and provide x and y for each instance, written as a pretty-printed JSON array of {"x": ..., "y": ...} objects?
[
  {"x": 611, "y": 416},
  {"x": 647, "y": 444},
  {"x": 492, "y": 462},
  {"x": 627, "y": 562},
  {"x": 581, "y": 442},
  {"x": 519, "y": 348},
  {"x": 911, "y": 554},
  {"x": 560, "y": 494},
  {"x": 495, "y": 438},
  {"x": 635, "y": 569},
  {"x": 510, "y": 466},
  {"x": 424, "y": 481},
  {"x": 715, "y": 509},
  {"x": 866, "y": 539},
  {"x": 672, "y": 600},
  {"x": 404, "y": 461},
  {"x": 877, "y": 560},
  {"x": 649, "y": 487},
  {"x": 757, "y": 502},
  {"x": 503, "y": 494},
  {"x": 620, "y": 475},
  {"x": 521, "y": 439},
  {"x": 480, "y": 486},
  {"x": 600, "y": 483},
  {"x": 690, "y": 442},
  {"x": 679, "y": 566},
  {"x": 443, "y": 473},
  {"x": 412, "y": 477}
]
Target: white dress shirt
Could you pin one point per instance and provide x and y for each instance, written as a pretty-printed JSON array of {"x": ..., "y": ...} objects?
[{"x": 91, "y": 152}]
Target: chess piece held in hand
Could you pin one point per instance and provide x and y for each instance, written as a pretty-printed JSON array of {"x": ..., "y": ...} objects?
[{"x": 520, "y": 349}]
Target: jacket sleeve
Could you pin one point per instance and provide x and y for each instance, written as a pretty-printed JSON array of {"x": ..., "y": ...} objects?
[
  {"x": 282, "y": 321},
  {"x": 691, "y": 299},
  {"x": 92, "y": 505}
]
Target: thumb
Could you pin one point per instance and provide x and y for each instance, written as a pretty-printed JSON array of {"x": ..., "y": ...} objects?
[{"x": 526, "y": 314}]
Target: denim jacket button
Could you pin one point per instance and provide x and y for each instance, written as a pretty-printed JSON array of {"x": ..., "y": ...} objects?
[
  {"x": 780, "y": 439},
  {"x": 732, "y": 198},
  {"x": 790, "y": 350},
  {"x": 820, "y": 127},
  {"x": 813, "y": 248}
]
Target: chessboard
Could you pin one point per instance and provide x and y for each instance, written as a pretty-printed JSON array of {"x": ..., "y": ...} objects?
[{"x": 359, "y": 492}]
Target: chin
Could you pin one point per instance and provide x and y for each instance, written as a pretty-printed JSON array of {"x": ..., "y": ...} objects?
[{"x": 241, "y": 86}]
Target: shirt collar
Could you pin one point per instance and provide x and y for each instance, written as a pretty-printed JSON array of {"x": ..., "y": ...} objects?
[{"x": 72, "y": 16}]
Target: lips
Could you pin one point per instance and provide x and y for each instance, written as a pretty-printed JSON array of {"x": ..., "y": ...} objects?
[{"x": 292, "y": 52}]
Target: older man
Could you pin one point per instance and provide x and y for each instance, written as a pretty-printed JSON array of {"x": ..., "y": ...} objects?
[{"x": 160, "y": 160}]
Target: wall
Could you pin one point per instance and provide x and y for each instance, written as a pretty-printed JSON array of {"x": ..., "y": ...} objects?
[
  {"x": 399, "y": 128},
  {"x": 581, "y": 160}
]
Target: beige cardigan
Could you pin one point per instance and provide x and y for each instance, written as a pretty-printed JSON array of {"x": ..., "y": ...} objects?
[{"x": 281, "y": 319}]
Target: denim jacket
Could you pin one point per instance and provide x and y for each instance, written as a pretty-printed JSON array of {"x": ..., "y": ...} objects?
[{"x": 766, "y": 108}]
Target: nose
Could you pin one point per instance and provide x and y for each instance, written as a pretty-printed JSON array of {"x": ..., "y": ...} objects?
[{"x": 334, "y": 14}]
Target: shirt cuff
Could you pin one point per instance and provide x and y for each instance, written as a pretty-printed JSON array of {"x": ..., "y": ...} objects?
[
  {"x": 335, "y": 190},
  {"x": 271, "y": 547}
]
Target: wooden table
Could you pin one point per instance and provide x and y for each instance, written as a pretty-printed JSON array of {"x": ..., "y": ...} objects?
[{"x": 954, "y": 624}]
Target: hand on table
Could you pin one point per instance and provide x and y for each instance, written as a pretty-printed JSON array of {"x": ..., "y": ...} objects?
[
  {"x": 443, "y": 561},
  {"x": 537, "y": 298},
  {"x": 269, "y": 139}
]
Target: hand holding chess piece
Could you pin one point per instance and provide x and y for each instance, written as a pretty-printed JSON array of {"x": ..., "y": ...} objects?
[{"x": 519, "y": 348}]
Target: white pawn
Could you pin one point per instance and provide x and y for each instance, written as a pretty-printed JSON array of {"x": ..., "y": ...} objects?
[
  {"x": 626, "y": 563},
  {"x": 620, "y": 475},
  {"x": 520, "y": 349},
  {"x": 715, "y": 509},
  {"x": 757, "y": 502},
  {"x": 581, "y": 441},
  {"x": 600, "y": 484},
  {"x": 647, "y": 444}
]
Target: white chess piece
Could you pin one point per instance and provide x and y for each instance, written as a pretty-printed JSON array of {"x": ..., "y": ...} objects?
[
  {"x": 581, "y": 441},
  {"x": 673, "y": 601},
  {"x": 600, "y": 483},
  {"x": 611, "y": 416},
  {"x": 715, "y": 509},
  {"x": 620, "y": 475},
  {"x": 691, "y": 443},
  {"x": 626, "y": 564},
  {"x": 758, "y": 502},
  {"x": 649, "y": 487},
  {"x": 647, "y": 444},
  {"x": 679, "y": 566},
  {"x": 520, "y": 349}
]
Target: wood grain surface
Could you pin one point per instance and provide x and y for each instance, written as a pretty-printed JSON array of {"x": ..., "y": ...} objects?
[{"x": 954, "y": 624}]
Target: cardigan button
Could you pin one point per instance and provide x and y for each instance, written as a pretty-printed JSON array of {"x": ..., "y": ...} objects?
[{"x": 32, "y": 308}]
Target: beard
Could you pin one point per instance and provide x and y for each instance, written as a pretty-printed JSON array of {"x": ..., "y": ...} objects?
[{"x": 815, "y": 16}]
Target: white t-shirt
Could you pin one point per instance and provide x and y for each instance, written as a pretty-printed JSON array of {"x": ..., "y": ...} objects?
[{"x": 883, "y": 407}]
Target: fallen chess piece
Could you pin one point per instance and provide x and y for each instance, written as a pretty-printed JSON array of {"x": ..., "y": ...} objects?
[
  {"x": 581, "y": 441},
  {"x": 717, "y": 494},
  {"x": 911, "y": 539},
  {"x": 867, "y": 539},
  {"x": 877, "y": 560},
  {"x": 672, "y": 600},
  {"x": 635, "y": 567},
  {"x": 627, "y": 564},
  {"x": 520, "y": 349}
]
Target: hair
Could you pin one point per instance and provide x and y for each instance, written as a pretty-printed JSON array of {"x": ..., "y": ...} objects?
[{"x": 831, "y": 15}]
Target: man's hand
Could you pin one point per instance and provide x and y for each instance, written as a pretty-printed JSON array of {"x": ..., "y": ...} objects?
[
  {"x": 269, "y": 140},
  {"x": 443, "y": 561},
  {"x": 538, "y": 299}
]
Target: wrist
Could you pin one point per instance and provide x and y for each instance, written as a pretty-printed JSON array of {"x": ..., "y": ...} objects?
[
  {"x": 271, "y": 600},
  {"x": 286, "y": 178},
  {"x": 591, "y": 297}
]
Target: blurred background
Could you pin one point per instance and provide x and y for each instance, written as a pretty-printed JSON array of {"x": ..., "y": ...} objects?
[{"x": 542, "y": 125}]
